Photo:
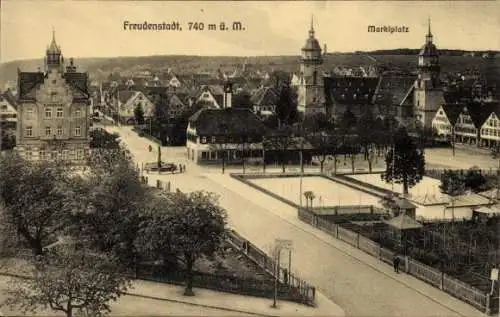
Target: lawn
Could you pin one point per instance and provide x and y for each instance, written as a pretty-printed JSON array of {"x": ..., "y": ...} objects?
[{"x": 327, "y": 192}]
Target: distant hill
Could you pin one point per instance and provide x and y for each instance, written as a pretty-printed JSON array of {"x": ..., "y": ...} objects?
[
  {"x": 443, "y": 52},
  {"x": 402, "y": 59}
]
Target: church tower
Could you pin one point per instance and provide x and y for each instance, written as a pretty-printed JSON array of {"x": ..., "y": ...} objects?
[
  {"x": 310, "y": 90},
  {"x": 53, "y": 56},
  {"x": 428, "y": 94}
]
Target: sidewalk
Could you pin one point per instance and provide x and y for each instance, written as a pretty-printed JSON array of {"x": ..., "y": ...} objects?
[{"x": 232, "y": 302}]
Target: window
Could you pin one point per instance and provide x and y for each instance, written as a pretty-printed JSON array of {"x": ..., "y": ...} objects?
[
  {"x": 213, "y": 139},
  {"x": 59, "y": 113},
  {"x": 29, "y": 154},
  {"x": 47, "y": 131},
  {"x": 203, "y": 140},
  {"x": 42, "y": 154},
  {"x": 28, "y": 131},
  {"x": 79, "y": 153},
  {"x": 59, "y": 130},
  {"x": 29, "y": 114},
  {"x": 54, "y": 81},
  {"x": 78, "y": 113},
  {"x": 48, "y": 112},
  {"x": 4, "y": 107},
  {"x": 78, "y": 131},
  {"x": 204, "y": 155}
]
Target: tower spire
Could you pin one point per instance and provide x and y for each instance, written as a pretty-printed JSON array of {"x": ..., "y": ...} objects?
[
  {"x": 428, "y": 37},
  {"x": 311, "y": 30}
]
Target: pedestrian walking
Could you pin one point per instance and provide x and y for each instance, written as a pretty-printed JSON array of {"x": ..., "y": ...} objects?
[
  {"x": 183, "y": 167},
  {"x": 396, "y": 264},
  {"x": 180, "y": 168}
]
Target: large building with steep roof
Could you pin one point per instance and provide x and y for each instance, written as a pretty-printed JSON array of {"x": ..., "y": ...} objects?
[{"x": 53, "y": 110}]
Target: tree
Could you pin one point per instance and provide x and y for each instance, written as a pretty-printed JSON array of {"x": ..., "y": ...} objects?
[
  {"x": 111, "y": 221},
  {"x": 139, "y": 114},
  {"x": 69, "y": 280},
  {"x": 36, "y": 197},
  {"x": 325, "y": 141},
  {"x": 242, "y": 101},
  {"x": 286, "y": 106},
  {"x": 281, "y": 141},
  {"x": 365, "y": 131},
  {"x": 474, "y": 180},
  {"x": 452, "y": 182},
  {"x": 100, "y": 138},
  {"x": 347, "y": 122},
  {"x": 495, "y": 153},
  {"x": 425, "y": 136},
  {"x": 188, "y": 225},
  {"x": 408, "y": 166},
  {"x": 7, "y": 141}
]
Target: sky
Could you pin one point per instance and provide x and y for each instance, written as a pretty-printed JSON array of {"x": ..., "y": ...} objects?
[{"x": 96, "y": 28}]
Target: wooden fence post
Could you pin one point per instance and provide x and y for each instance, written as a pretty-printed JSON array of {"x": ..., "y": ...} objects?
[
  {"x": 441, "y": 284},
  {"x": 357, "y": 240},
  {"x": 488, "y": 304},
  {"x": 337, "y": 231},
  {"x": 407, "y": 263}
]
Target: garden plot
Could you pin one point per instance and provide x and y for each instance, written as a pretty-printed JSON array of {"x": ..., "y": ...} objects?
[
  {"x": 427, "y": 186},
  {"x": 425, "y": 195},
  {"x": 327, "y": 192}
]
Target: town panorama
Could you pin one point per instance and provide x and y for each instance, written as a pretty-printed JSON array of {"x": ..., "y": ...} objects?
[{"x": 353, "y": 184}]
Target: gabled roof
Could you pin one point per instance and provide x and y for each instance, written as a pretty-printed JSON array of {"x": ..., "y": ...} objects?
[
  {"x": 404, "y": 203},
  {"x": 79, "y": 81},
  {"x": 479, "y": 112},
  {"x": 393, "y": 88},
  {"x": 125, "y": 95},
  {"x": 491, "y": 194},
  {"x": 229, "y": 121},
  {"x": 10, "y": 98},
  {"x": 404, "y": 222},
  {"x": 452, "y": 111},
  {"x": 28, "y": 81},
  {"x": 350, "y": 90},
  {"x": 265, "y": 96}
]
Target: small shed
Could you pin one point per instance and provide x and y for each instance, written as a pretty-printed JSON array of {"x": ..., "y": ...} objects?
[
  {"x": 486, "y": 212},
  {"x": 403, "y": 228},
  {"x": 405, "y": 207}
]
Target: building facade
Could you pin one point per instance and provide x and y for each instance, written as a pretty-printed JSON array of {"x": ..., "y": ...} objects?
[
  {"x": 228, "y": 134},
  {"x": 310, "y": 87},
  {"x": 53, "y": 111}
]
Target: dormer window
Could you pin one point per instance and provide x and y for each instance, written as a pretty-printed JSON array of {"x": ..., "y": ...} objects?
[{"x": 203, "y": 140}]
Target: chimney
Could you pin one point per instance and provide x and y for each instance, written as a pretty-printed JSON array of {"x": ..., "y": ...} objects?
[{"x": 228, "y": 94}]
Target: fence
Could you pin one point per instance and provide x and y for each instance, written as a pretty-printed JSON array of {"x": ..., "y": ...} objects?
[
  {"x": 294, "y": 288},
  {"x": 459, "y": 289},
  {"x": 290, "y": 287},
  {"x": 223, "y": 283}
]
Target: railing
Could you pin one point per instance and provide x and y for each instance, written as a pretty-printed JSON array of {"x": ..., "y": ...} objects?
[
  {"x": 294, "y": 288},
  {"x": 459, "y": 289}
]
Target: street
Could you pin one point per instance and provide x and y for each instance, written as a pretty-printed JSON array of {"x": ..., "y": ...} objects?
[{"x": 360, "y": 284}]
